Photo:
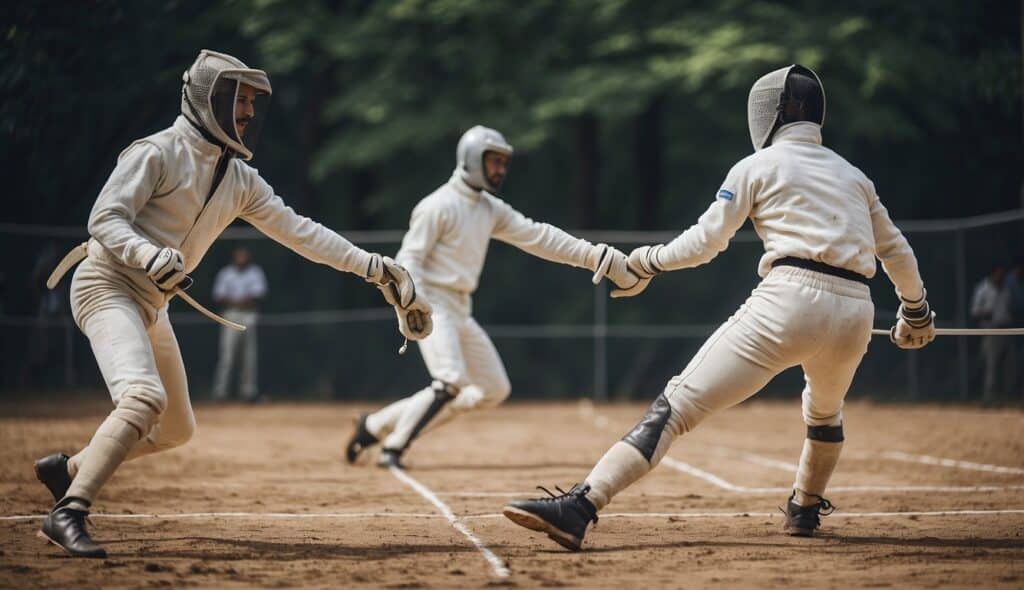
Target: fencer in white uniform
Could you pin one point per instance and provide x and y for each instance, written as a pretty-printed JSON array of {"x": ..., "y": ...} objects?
[
  {"x": 823, "y": 226},
  {"x": 169, "y": 197},
  {"x": 444, "y": 250}
]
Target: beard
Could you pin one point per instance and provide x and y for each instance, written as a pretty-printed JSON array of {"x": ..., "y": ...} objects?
[{"x": 241, "y": 125}]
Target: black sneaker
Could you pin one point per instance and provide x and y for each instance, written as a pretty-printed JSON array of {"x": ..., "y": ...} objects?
[
  {"x": 360, "y": 441},
  {"x": 564, "y": 518},
  {"x": 52, "y": 471},
  {"x": 801, "y": 521},
  {"x": 65, "y": 528},
  {"x": 390, "y": 458}
]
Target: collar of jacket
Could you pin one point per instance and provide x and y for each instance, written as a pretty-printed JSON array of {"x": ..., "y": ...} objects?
[
  {"x": 195, "y": 137},
  {"x": 801, "y": 131},
  {"x": 460, "y": 186}
]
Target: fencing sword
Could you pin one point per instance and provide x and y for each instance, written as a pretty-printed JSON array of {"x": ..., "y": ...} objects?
[
  {"x": 78, "y": 254},
  {"x": 179, "y": 290},
  {"x": 965, "y": 332}
]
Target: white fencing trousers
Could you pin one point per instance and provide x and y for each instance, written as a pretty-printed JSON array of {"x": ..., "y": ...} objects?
[
  {"x": 142, "y": 366},
  {"x": 242, "y": 347},
  {"x": 793, "y": 317},
  {"x": 458, "y": 352}
]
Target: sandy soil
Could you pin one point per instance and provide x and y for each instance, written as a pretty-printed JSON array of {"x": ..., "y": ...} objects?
[{"x": 312, "y": 521}]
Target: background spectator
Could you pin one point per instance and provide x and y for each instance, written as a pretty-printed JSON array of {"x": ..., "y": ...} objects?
[
  {"x": 990, "y": 308},
  {"x": 238, "y": 289}
]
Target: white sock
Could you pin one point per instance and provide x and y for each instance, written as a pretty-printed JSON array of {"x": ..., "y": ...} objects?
[
  {"x": 618, "y": 468},
  {"x": 817, "y": 462},
  {"x": 74, "y": 461},
  {"x": 382, "y": 422},
  {"x": 106, "y": 451}
]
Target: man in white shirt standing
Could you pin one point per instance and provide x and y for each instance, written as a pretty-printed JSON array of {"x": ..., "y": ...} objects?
[
  {"x": 444, "y": 251},
  {"x": 238, "y": 289},
  {"x": 991, "y": 307},
  {"x": 822, "y": 225},
  {"x": 169, "y": 197}
]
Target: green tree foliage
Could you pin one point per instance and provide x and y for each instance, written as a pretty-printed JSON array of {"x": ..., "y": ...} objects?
[
  {"x": 625, "y": 114},
  {"x": 364, "y": 89}
]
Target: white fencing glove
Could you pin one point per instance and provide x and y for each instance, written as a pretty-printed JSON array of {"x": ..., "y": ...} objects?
[
  {"x": 609, "y": 261},
  {"x": 396, "y": 284},
  {"x": 915, "y": 324},
  {"x": 166, "y": 268},
  {"x": 641, "y": 263}
]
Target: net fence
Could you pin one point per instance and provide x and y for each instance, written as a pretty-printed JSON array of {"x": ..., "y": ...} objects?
[{"x": 326, "y": 335}]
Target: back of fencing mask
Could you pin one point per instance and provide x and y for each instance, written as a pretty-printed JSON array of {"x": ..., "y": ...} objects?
[{"x": 769, "y": 97}]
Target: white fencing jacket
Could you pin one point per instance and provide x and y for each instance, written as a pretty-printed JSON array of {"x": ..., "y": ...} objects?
[
  {"x": 450, "y": 230},
  {"x": 805, "y": 201},
  {"x": 156, "y": 197}
]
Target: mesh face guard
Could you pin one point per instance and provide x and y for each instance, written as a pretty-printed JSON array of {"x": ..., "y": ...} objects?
[
  {"x": 204, "y": 79},
  {"x": 764, "y": 101},
  {"x": 469, "y": 155},
  {"x": 229, "y": 113}
]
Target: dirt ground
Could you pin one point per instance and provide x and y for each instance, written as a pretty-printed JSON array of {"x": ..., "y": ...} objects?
[{"x": 261, "y": 498}]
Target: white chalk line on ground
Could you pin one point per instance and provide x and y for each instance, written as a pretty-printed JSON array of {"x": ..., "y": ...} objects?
[
  {"x": 954, "y": 463},
  {"x": 497, "y": 564},
  {"x": 863, "y": 456},
  {"x": 587, "y": 412},
  {"x": 280, "y": 515},
  {"x": 333, "y": 515},
  {"x": 685, "y": 515},
  {"x": 711, "y": 478}
]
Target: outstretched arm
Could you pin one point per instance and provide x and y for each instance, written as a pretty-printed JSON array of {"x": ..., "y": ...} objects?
[
  {"x": 716, "y": 226},
  {"x": 268, "y": 213},
  {"x": 703, "y": 240},
  {"x": 543, "y": 240},
  {"x": 546, "y": 241}
]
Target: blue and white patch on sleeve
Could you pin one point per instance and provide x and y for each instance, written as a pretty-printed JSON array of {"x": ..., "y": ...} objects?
[{"x": 726, "y": 194}]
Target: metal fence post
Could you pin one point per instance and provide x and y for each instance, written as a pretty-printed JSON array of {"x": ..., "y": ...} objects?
[
  {"x": 961, "y": 313},
  {"x": 600, "y": 329}
]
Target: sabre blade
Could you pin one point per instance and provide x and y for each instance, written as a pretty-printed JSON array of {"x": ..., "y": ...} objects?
[
  {"x": 965, "y": 332},
  {"x": 199, "y": 307}
]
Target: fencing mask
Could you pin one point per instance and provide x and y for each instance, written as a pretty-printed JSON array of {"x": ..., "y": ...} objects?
[
  {"x": 790, "y": 94},
  {"x": 469, "y": 155},
  {"x": 227, "y": 99}
]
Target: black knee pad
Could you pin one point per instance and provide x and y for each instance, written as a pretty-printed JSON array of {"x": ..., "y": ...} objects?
[
  {"x": 646, "y": 434},
  {"x": 833, "y": 434}
]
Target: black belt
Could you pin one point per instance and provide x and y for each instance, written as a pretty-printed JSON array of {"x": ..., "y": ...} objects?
[{"x": 821, "y": 267}]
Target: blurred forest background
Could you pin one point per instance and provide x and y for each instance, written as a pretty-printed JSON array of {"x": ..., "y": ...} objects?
[{"x": 625, "y": 114}]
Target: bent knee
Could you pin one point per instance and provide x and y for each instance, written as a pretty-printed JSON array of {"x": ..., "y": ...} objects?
[
  {"x": 141, "y": 407},
  {"x": 818, "y": 414},
  {"x": 474, "y": 397},
  {"x": 495, "y": 393},
  {"x": 179, "y": 434},
  {"x": 499, "y": 392}
]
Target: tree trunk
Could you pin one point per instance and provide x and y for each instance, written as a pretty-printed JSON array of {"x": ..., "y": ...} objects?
[
  {"x": 363, "y": 184},
  {"x": 310, "y": 138},
  {"x": 587, "y": 169},
  {"x": 648, "y": 154}
]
